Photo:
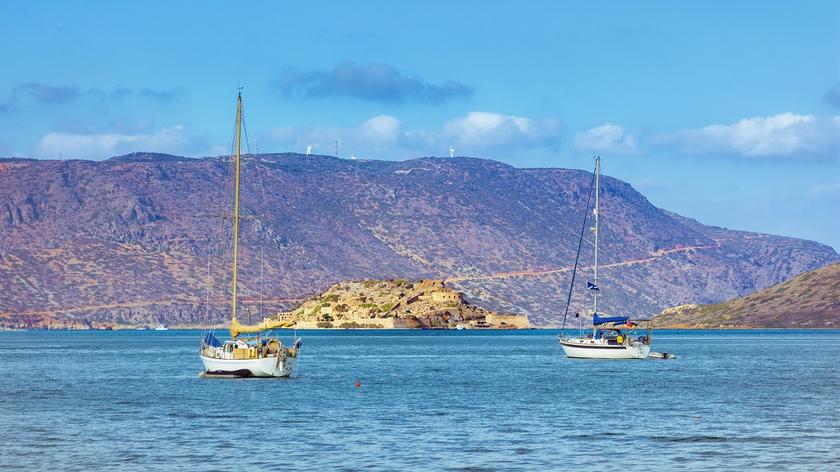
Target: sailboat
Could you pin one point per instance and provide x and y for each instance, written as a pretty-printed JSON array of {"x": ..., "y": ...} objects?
[
  {"x": 241, "y": 356},
  {"x": 612, "y": 337}
]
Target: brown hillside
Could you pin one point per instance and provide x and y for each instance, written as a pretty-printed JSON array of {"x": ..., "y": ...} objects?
[
  {"x": 126, "y": 241},
  {"x": 810, "y": 300}
]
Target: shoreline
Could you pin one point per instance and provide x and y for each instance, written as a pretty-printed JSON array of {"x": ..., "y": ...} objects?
[{"x": 533, "y": 328}]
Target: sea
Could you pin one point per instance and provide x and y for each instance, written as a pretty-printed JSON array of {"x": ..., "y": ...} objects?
[{"x": 420, "y": 401}]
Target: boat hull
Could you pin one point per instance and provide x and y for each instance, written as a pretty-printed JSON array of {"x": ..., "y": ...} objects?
[
  {"x": 583, "y": 349},
  {"x": 262, "y": 367}
]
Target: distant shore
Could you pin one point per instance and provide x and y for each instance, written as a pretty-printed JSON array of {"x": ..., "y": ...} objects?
[{"x": 533, "y": 328}]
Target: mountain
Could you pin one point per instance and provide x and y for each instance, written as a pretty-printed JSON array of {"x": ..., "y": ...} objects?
[
  {"x": 129, "y": 240},
  {"x": 810, "y": 300}
]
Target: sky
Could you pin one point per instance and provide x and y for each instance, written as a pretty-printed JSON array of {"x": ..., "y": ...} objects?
[{"x": 726, "y": 112}]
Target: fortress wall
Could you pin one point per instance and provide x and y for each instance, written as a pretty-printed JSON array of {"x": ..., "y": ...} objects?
[{"x": 519, "y": 321}]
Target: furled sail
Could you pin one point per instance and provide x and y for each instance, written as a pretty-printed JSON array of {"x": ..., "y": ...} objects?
[{"x": 597, "y": 320}]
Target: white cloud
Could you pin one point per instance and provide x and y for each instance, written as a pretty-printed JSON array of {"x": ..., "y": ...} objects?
[
  {"x": 785, "y": 134},
  {"x": 103, "y": 145},
  {"x": 382, "y": 129},
  {"x": 385, "y": 136},
  {"x": 481, "y": 130},
  {"x": 380, "y": 133},
  {"x": 825, "y": 190},
  {"x": 607, "y": 137}
]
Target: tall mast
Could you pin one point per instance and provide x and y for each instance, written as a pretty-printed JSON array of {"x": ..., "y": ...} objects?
[
  {"x": 597, "y": 208},
  {"x": 236, "y": 204}
]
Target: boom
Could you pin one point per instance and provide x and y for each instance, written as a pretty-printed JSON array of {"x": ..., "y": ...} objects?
[{"x": 267, "y": 323}]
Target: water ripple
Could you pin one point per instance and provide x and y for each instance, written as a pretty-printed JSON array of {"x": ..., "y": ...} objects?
[{"x": 428, "y": 401}]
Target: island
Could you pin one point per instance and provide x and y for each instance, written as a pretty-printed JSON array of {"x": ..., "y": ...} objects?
[{"x": 396, "y": 304}]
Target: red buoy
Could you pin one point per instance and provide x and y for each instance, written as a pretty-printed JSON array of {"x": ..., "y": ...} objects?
[{"x": 358, "y": 383}]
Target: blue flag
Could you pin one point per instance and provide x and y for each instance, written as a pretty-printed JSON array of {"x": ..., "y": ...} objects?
[{"x": 211, "y": 340}]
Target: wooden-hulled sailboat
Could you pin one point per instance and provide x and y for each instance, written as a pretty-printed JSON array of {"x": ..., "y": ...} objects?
[
  {"x": 243, "y": 356},
  {"x": 612, "y": 337}
]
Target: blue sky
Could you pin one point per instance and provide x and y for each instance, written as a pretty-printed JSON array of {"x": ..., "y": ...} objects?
[{"x": 727, "y": 112}]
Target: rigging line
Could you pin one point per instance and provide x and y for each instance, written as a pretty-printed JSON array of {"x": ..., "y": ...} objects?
[
  {"x": 577, "y": 256},
  {"x": 227, "y": 188},
  {"x": 245, "y": 251},
  {"x": 262, "y": 246},
  {"x": 245, "y": 132},
  {"x": 262, "y": 259},
  {"x": 254, "y": 156},
  {"x": 224, "y": 231},
  {"x": 209, "y": 281},
  {"x": 269, "y": 228},
  {"x": 219, "y": 237},
  {"x": 245, "y": 267},
  {"x": 216, "y": 242},
  {"x": 262, "y": 280},
  {"x": 597, "y": 217},
  {"x": 270, "y": 224},
  {"x": 258, "y": 165}
]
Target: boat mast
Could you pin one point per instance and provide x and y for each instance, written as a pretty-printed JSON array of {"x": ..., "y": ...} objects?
[
  {"x": 597, "y": 208},
  {"x": 236, "y": 204}
]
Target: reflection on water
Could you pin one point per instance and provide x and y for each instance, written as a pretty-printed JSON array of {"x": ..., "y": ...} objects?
[{"x": 456, "y": 400}]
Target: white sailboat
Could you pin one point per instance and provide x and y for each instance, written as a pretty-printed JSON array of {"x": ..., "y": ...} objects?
[
  {"x": 612, "y": 337},
  {"x": 257, "y": 356}
]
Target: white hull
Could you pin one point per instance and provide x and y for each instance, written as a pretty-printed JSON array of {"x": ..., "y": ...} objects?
[
  {"x": 585, "y": 348},
  {"x": 262, "y": 367}
]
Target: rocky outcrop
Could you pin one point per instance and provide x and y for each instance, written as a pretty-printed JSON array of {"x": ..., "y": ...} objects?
[{"x": 396, "y": 304}]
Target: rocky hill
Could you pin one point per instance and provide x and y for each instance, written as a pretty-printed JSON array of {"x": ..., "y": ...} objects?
[
  {"x": 396, "y": 304},
  {"x": 810, "y": 300},
  {"x": 138, "y": 239}
]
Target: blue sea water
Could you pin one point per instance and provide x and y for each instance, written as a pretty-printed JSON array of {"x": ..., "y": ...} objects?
[{"x": 429, "y": 400}]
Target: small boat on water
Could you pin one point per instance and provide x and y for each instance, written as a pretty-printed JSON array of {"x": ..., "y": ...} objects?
[
  {"x": 612, "y": 337},
  {"x": 161, "y": 327},
  {"x": 257, "y": 356}
]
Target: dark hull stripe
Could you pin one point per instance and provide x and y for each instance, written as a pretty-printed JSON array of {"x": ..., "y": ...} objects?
[{"x": 233, "y": 373}]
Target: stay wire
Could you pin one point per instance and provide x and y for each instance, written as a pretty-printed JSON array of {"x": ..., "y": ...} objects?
[
  {"x": 226, "y": 189},
  {"x": 577, "y": 256}
]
